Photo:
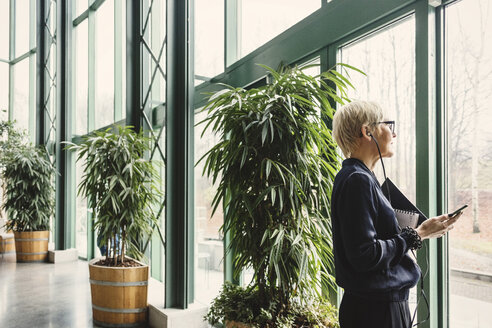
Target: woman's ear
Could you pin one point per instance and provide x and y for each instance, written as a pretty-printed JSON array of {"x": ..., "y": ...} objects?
[{"x": 365, "y": 132}]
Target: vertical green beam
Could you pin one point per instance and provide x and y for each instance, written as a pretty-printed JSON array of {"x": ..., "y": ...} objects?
[
  {"x": 118, "y": 60},
  {"x": 426, "y": 150},
  {"x": 232, "y": 31},
  {"x": 63, "y": 219},
  {"x": 133, "y": 64},
  {"x": 442, "y": 250},
  {"x": 179, "y": 155},
  {"x": 40, "y": 75},
  {"x": 190, "y": 165}
]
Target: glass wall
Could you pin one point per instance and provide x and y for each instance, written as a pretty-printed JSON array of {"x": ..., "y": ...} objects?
[
  {"x": 209, "y": 39},
  {"x": 104, "y": 70},
  {"x": 22, "y": 22},
  {"x": 81, "y": 85},
  {"x": 209, "y": 241},
  {"x": 4, "y": 90},
  {"x": 20, "y": 111},
  {"x": 260, "y": 21},
  {"x": 387, "y": 57},
  {"x": 98, "y": 88},
  {"x": 4, "y": 29},
  {"x": 468, "y": 74}
]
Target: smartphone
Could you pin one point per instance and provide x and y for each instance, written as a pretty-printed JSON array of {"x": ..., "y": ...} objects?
[{"x": 451, "y": 215}]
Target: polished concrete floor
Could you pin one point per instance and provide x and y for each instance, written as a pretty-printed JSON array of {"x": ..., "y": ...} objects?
[{"x": 44, "y": 294}]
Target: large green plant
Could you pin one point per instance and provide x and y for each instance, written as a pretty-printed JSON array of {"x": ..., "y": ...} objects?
[
  {"x": 11, "y": 138},
  {"x": 29, "y": 193},
  {"x": 120, "y": 186},
  {"x": 275, "y": 165}
]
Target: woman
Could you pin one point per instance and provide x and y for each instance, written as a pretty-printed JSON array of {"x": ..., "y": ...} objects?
[{"x": 372, "y": 263}]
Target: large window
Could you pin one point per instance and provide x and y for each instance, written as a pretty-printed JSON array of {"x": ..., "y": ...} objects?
[
  {"x": 98, "y": 89},
  {"x": 20, "y": 112},
  {"x": 4, "y": 29},
  {"x": 209, "y": 39},
  {"x": 469, "y": 160},
  {"x": 387, "y": 57},
  {"x": 4, "y": 90},
  {"x": 209, "y": 242},
  {"x": 104, "y": 80},
  {"x": 260, "y": 21},
  {"x": 22, "y": 22},
  {"x": 81, "y": 78}
]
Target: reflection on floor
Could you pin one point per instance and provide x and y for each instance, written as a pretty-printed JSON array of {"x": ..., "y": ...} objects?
[{"x": 44, "y": 294}]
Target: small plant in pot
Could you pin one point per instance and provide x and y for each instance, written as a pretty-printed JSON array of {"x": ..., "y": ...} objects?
[
  {"x": 29, "y": 199},
  {"x": 275, "y": 166},
  {"x": 119, "y": 185}
]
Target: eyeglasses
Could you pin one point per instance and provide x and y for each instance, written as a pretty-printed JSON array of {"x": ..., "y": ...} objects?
[{"x": 390, "y": 124}]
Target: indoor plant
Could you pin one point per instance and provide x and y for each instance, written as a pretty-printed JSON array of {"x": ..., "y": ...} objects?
[
  {"x": 29, "y": 199},
  {"x": 10, "y": 138},
  {"x": 119, "y": 185},
  {"x": 275, "y": 165}
]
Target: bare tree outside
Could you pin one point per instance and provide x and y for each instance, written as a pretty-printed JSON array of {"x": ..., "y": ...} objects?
[
  {"x": 388, "y": 59},
  {"x": 468, "y": 72}
]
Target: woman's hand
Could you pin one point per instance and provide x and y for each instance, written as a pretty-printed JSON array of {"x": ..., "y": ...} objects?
[{"x": 437, "y": 226}]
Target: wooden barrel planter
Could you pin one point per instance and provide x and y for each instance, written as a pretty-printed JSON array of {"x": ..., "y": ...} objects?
[
  {"x": 119, "y": 295},
  {"x": 7, "y": 244},
  {"x": 31, "y": 246},
  {"x": 234, "y": 324}
]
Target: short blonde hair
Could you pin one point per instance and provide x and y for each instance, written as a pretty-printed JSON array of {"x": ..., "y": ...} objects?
[{"x": 348, "y": 121}]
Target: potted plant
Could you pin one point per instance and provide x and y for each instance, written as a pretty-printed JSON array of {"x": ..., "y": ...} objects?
[
  {"x": 28, "y": 200},
  {"x": 274, "y": 167},
  {"x": 10, "y": 138},
  {"x": 119, "y": 185}
]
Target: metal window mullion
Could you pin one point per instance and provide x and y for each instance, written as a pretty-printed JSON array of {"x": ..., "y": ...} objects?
[
  {"x": 179, "y": 166},
  {"x": 41, "y": 78},
  {"x": 32, "y": 71},
  {"x": 426, "y": 161},
  {"x": 441, "y": 125},
  {"x": 63, "y": 220},
  {"x": 133, "y": 64}
]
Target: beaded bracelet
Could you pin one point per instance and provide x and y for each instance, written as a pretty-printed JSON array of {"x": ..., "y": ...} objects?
[{"x": 415, "y": 240}]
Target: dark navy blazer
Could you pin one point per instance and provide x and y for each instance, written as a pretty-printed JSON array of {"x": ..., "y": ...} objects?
[{"x": 371, "y": 253}]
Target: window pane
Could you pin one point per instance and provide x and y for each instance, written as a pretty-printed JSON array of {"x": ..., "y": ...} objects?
[
  {"x": 4, "y": 29},
  {"x": 262, "y": 20},
  {"x": 388, "y": 59},
  {"x": 81, "y": 213},
  {"x": 209, "y": 38},
  {"x": 81, "y": 78},
  {"x": 21, "y": 94},
  {"x": 469, "y": 179},
  {"x": 79, "y": 6},
  {"x": 209, "y": 245},
  {"x": 21, "y": 27},
  {"x": 4, "y": 90},
  {"x": 104, "y": 64}
]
